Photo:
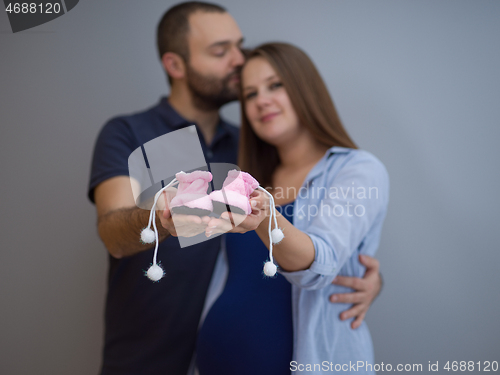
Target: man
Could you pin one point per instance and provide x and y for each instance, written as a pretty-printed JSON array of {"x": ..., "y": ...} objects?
[{"x": 151, "y": 327}]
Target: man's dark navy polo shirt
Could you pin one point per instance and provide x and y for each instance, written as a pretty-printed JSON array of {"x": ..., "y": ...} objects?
[{"x": 150, "y": 328}]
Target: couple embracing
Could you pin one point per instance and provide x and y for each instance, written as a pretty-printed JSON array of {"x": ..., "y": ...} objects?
[{"x": 291, "y": 140}]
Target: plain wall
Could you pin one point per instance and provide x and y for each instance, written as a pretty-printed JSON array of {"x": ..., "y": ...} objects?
[{"x": 417, "y": 83}]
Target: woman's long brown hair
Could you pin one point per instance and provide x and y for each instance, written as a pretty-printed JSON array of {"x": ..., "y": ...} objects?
[{"x": 310, "y": 100}]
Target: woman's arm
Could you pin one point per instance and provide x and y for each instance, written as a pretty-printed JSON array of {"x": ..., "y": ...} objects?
[
  {"x": 346, "y": 218},
  {"x": 295, "y": 252}
]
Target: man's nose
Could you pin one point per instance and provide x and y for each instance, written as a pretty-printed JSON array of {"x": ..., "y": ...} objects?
[{"x": 238, "y": 57}]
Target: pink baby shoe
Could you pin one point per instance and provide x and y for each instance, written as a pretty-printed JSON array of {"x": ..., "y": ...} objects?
[
  {"x": 235, "y": 193},
  {"x": 192, "y": 197}
]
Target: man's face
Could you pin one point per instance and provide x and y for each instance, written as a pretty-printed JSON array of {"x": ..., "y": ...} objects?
[{"x": 215, "y": 59}]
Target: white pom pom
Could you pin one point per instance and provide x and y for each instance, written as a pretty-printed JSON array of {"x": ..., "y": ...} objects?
[
  {"x": 277, "y": 235},
  {"x": 155, "y": 272},
  {"x": 147, "y": 235},
  {"x": 270, "y": 269}
]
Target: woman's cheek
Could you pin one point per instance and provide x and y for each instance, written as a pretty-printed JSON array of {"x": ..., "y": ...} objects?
[{"x": 250, "y": 113}]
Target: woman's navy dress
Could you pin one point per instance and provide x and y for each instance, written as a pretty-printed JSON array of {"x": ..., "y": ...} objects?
[{"x": 248, "y": 330}]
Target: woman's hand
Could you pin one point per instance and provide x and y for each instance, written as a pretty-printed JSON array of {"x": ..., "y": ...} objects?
[{"x": 235, "y": 223}]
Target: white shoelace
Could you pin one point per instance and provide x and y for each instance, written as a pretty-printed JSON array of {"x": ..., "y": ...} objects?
[
  {"x": 155, "y": 272},
  {"x": 275, "y": 236}
]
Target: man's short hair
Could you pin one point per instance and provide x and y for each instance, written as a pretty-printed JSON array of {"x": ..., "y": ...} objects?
[{"x": 174, "y": 26}]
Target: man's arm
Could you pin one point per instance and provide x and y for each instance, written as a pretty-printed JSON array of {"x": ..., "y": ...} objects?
[
  {"x": 366, "y": 290},
  {"x": 119, "y": 220}
]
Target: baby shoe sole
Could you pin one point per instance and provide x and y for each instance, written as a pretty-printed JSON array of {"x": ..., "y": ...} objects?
[
  {"x": 220, "y": 208},
  {"x": 184, "y": 210}
]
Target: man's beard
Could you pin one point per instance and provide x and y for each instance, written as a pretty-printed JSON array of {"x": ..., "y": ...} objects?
[{"x": 211, "y": 93}]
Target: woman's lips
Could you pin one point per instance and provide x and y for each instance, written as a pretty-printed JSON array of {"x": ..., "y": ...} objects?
[{"x": 268, "y": 117}]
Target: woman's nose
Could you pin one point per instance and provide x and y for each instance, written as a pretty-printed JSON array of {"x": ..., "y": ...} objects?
[{"x": 262, "y": 99}]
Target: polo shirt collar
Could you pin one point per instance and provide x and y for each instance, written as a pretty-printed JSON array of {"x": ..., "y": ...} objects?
[{"x": 171, "y": 116}]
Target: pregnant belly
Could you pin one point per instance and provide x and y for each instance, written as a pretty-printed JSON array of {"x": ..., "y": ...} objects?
[{"x": 247, "y": 334}]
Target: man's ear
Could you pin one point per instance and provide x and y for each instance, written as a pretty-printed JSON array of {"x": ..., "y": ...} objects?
[{"x": 174, "y": 65}]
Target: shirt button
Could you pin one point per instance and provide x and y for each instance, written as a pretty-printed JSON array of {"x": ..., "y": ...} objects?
[
  {"x": 210, "y": 154},
  {"x": 300, "y": 217}
]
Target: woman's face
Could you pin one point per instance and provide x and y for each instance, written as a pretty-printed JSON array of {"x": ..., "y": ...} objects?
[{"x": 266, "y": 103}]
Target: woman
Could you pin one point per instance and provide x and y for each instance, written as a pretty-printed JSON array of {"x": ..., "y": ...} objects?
[{"x": 333, "y": 200}]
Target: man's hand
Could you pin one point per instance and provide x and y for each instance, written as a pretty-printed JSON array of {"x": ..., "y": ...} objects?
[
  {"x": 366, "y": 289},
  {"x": 179, "y": 225}
]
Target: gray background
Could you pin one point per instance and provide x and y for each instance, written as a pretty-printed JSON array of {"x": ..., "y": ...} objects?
[{"x": 416, "y": 82}]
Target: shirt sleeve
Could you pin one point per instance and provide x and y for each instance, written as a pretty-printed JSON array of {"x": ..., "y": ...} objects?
[
  {"x": 113, "y": 147},
  {"x": 352, "y": 211}
]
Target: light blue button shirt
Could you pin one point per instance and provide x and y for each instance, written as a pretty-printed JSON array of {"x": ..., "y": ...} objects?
[{"x": 341, "y": 207}]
